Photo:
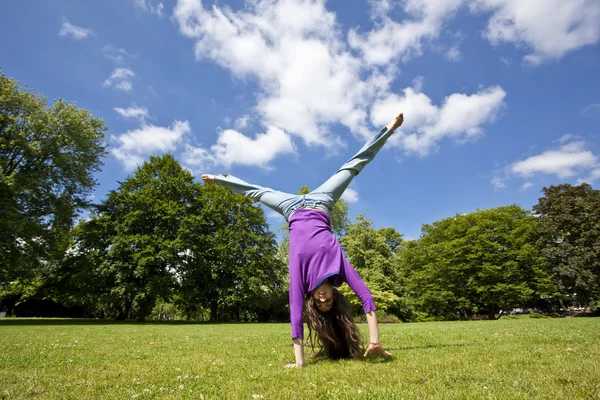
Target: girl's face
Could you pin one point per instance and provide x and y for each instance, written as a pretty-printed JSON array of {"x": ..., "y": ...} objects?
[{"x": 323, "y": 297}]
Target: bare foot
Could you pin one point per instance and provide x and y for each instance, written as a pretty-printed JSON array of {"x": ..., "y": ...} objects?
[
  {"x": 208, "y": 178},
  {"x": 396, "y": 122}
]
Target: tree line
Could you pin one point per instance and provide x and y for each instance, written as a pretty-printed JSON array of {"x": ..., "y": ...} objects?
[{"x": 162, "y": 245}]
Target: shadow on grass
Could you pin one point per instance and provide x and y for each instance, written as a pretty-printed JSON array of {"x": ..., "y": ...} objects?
[
  {"x": 90, "y": 321},
  {"x": 389, "y": 359},
  {"x": 369, "y": 360},
  {"x": 428, "y": 346}
]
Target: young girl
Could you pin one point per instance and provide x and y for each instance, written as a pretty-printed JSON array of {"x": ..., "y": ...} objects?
[{"x": 316, "y": 261}]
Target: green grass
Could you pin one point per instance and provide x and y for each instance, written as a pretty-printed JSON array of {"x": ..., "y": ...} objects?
[{"x": 521, "y": 358}]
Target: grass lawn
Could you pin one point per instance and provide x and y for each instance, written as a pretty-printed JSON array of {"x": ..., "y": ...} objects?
[{"x": 522, "y": 358}]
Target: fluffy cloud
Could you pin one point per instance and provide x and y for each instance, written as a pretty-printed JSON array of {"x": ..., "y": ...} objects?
[
  {"x": 453, "y": 54},
  {"x": 551, "y": 28},
  {"x": 310, "y": 78},
  {"x": 74, "y": 31},
  {"x": 136, "y": 112},
  {"x": 232, "y": 147},
  {"x": 120, "y": 79},
  {"x": 564, "y": 162},
  {"x": 242, "y": 122},
  {"x": 117, "y": 55},
  {"x": 134, "y": 146},
  {"x": 307, "y": 75},
  {"x": 350, "y": 195},
  {"x": 460, "y": 117},
  {"x": 569, "y": 159},
  {"x": 404, "y": 39},
  {"x": 149, "y": 7},
  {"x": 593, "y": 175},
  {"x": 526, "y": 185}
]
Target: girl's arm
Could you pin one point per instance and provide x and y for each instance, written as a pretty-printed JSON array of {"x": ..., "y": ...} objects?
[
  {"x": 374, "y": 346},
  {"x": 299, "y": 352},
  {"x": 364, "y": 294}
]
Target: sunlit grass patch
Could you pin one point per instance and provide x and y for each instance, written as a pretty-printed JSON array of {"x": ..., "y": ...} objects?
[{"x": 511, "y": 358}]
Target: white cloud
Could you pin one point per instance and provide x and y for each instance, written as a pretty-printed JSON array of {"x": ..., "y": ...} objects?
[
  {"x": 460, "y": 117},
  {"x": 592, "y": 108},
  {"x": 136, "y": 112},
  {"x": 550, "y": 28},
  {"x": 149, "y": 7},
  {"x": 233, "y": 148},
  {"x": 241, "y": 122},
  {"x": 403, "y": 39},
  {"x": 76, "y": 32},
  {"x": 121, "y": 79},
  {"x": 498, "y": 182},
  {"x": 567, "y": 138},
  {"x": 310, "y": 78},
  {"x": 307, "y": 75},
  {"x": 117, "y": 55},
  {"x": 526, "y": 185},
  {"x": 134, "y": 146},
  {"x": 453, "y": 53},
  {"x": 569, "y": 159},
  {"x": 593, "y": 175},
  {"x": 350, "y": 195},
  {"x": 564, "y": 162}
]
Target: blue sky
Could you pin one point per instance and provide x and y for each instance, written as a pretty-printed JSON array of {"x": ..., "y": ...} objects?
[{"x": 501, "y": 97}]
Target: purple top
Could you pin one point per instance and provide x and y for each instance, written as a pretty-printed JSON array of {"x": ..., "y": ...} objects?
[{"x": 315, "y": 255}]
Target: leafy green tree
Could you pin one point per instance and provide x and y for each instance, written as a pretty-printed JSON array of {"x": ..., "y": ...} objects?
[
  {"x": 163, "y": 237},
  {"x": 372, "y": 252},
  {"x": 48, "y": 156},
  {"x": 569, "y": 223},
  {"x": 85, "y": 276},
  {"x": 146, "y": 250},
  {"x": 125, "y": 256},
  {"x": 231, "y": 268},
  {"x": 481, "y": 262}
]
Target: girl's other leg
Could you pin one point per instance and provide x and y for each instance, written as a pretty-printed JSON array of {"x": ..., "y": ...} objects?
[{"x": 278, "y": 201}]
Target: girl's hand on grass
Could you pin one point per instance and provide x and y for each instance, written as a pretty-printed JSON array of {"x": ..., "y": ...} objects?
[
  {"x": 292, "y": 365},
  {"x": 376, "y": 350}
]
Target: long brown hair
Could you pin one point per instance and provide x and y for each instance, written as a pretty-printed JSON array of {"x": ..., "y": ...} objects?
[{"x": 334, "y": 332}]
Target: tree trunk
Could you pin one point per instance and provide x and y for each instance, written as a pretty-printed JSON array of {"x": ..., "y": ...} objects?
[
  {"x": 124, "y": 312},
  {"x": 213, "y": 311},
  {"x": 145, "y": 308},
  {"x": 492, "y": 313},
  {"x": 141, "y": 317}
]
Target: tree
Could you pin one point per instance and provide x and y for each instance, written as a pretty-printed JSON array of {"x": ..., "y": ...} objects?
[
  {"x": 231, "y": 267},
  {"x": 147, "y": 249},
  {"x": 47, "y": 160},
  {"x": 162, "y": 237},
  {"x": 481, "y": 262},
  {"x": 372, "y": 253},
  {"x": 569, "y": 223},
  {"x": 81, "y": 278}
]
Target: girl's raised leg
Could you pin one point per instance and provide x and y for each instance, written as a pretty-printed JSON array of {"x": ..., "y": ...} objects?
[{"x": 334, "y": 187}]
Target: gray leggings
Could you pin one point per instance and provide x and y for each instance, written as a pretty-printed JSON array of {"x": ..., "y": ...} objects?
[{"x": 322, "y": 198}]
